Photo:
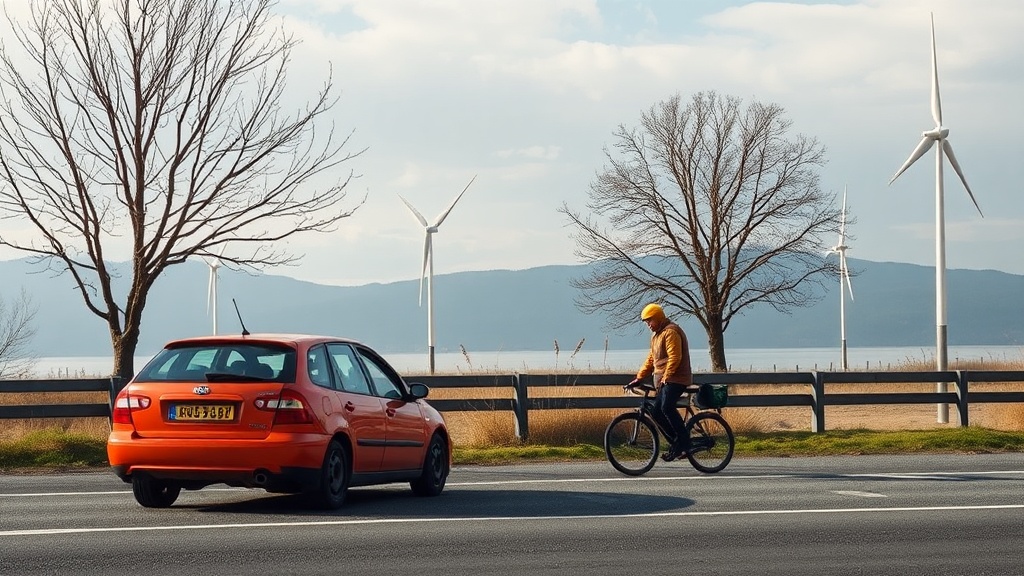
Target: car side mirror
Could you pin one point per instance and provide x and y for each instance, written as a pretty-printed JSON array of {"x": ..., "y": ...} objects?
[{"x": 418, "y": 390}]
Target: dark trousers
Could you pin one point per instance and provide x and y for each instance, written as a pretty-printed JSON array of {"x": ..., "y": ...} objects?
[{"x": 667, "y": 413}]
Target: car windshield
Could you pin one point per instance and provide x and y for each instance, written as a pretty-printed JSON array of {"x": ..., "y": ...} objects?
[{"x": 208, "y": 362}]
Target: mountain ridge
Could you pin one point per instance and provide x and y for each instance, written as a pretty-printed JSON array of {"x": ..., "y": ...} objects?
[{"x": 529, "y": 309}]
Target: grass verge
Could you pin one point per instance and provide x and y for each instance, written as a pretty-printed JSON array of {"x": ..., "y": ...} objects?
[{"x": 55, "y": 450}]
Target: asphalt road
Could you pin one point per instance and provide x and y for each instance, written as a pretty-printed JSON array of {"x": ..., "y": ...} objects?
[{"x": 899, "y": 515}]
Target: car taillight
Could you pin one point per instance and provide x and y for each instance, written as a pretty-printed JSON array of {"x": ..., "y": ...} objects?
[
  {"x": 289, "y": 408},
  {"x": 124, "y": 404}
]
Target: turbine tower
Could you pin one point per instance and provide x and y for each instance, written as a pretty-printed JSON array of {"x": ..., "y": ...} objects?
[
  {"x": 844, "y": 275},
  {"x": 938, "y": 134},
  {"x": 211, "y": 288},
  {"x": 427, "y": 271}
]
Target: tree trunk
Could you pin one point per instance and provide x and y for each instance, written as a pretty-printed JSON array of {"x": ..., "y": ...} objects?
[
  {"x": 716, "y": 346},
  {"x": 124, "y": 354}
]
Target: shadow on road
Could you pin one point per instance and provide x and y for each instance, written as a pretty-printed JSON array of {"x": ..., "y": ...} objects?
[{"x": 459, "y": 503}]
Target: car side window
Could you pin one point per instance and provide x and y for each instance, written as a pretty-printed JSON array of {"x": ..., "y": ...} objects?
[
  {"x": 317, "y": 366},
  {"x": 385, "y": 381},
  {"x": 348, "y": 376}
]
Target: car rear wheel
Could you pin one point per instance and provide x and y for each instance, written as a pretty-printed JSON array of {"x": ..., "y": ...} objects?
[
  {"x": 334, "y": 478},
  {"x": 435, "y": 469},
  {"x": 153, "y": 493}
]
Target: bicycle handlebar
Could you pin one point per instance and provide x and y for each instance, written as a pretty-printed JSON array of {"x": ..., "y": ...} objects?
[
  {"x": 641, "y": 386},
  {"x": 644, "y": 387}
]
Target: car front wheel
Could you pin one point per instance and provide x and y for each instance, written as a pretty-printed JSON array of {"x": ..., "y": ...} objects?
[{"x": 435, "y": 469}]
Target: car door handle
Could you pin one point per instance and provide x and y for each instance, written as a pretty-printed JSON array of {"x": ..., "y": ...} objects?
[
  {"x": 350, "y": 407},
  {"x": 390, "y": 412}
]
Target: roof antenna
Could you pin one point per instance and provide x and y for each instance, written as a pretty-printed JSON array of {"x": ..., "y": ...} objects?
[{"x": 244, "y": 331}]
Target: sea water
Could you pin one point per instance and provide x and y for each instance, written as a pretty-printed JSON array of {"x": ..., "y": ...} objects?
[{"x": 625, "y": 361}]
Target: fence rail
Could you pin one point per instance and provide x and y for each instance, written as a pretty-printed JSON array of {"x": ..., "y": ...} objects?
[{"x": 813, "y": 394}]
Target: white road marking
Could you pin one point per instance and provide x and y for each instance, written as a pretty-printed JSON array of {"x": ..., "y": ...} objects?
[
  {"x": 720, "y": 477},
  {"x": 700, "y": 478},
  {"x": 55, "y": 531},
  {"x": 859, "y": 493},
  {"x": 102, "y": 493}
]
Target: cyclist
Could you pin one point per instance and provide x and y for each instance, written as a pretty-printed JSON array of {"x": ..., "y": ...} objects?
[{"x": 669, "y": 361}]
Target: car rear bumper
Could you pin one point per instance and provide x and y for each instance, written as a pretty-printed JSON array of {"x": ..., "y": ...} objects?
[{"x": 278, "y": 463}]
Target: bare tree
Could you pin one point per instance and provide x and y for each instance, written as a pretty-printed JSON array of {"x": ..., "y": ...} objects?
[
  {"x": 158, "y": 128},
  {"x": 16, "y": 333},
  {"x": 708, "y": 208}
]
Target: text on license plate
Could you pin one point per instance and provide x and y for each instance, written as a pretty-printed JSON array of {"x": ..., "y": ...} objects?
[{"x": 202, "y": 412}]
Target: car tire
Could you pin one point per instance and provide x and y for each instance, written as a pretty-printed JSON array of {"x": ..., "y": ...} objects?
[
  {"x": 153, "y": 493},
  {"x": 334, "y": 478},
  {"x": 435, "y": 469}
]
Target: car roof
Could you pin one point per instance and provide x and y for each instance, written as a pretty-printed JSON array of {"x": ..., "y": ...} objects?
[{"x": 280, "y": 338}]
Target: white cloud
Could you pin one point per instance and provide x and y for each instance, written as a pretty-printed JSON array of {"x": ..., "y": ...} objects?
[{"x": 526, "y": 95}]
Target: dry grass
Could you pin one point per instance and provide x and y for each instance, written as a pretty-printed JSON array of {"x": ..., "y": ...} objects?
[
  {"x": 12, "y": 429},
  {"x": 570, "y": 427},
  {"x": 560, "y": 427}
]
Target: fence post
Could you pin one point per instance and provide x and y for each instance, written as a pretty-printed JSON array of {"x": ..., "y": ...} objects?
[
  {"x": 961, "y": 396},
  {"x": 521, "y": 382},
  {"x": 116, "y": 384},
  {"x": 818, "y": 403}
]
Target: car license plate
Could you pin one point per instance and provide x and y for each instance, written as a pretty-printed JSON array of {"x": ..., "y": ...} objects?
[{"x": 203, "y": 412}]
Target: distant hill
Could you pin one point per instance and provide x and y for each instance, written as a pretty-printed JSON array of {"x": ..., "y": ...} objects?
[{"x": 519, "y": 310}]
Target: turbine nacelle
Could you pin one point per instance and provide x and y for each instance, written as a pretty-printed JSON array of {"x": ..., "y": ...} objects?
[
  {"x": 938, "y": 134},
  {"x": 840, "y": 249},
  {"x": 429, "y": 230}
]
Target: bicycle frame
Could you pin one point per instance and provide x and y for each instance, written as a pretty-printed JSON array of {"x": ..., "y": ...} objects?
[
  {"x": 631, "y": 440},
  {"x": 646, "y": 410}
]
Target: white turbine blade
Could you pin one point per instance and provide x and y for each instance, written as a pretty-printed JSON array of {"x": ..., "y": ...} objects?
[
  {"x": 842, "y": 225},
  {"x": 415, "y": 212},
  {"x": 845, "y": 273},
  {"x": 922, "y": 147},
  {"x": 948, "y": 149},
  {"x": 426, "y": 257},
  {"x": 444, "y": 214},
  {"x": 210, "y": 289},
  {"x": 936, "y": 105}
]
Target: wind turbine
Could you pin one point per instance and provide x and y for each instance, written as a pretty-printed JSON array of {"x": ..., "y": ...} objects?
[
  {"x": 844, "y": 274},
  {"x": 930, "y": 137},
  {"x": 211, "y": 288},
  {"x": 428, "y": 266}
]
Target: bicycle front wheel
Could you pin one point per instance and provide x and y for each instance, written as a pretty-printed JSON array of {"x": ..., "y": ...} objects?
[
  {"x": 631, "y": 444},
  {"x": 711, "y": 442}
]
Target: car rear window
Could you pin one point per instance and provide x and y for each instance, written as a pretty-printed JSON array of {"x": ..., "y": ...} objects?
[{"x": 204, "y": 362}]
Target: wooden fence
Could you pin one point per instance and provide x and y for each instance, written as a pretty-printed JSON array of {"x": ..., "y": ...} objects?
[{"x": 807, "y": 389}]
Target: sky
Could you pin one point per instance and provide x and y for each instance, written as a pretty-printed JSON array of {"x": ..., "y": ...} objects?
[{"x": 525, "y": 96}]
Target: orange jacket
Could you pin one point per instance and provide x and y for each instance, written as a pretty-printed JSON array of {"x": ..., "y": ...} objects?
[{"x": 669, "y": 359}]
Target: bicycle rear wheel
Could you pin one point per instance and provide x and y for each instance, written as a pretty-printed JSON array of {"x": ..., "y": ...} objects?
[
  {"x": 711, "y": 442},
  {"x": 631, "y": 444}
]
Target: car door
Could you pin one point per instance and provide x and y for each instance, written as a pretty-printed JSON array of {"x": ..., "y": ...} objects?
[
  {"x": 361, "y": 415},
  {"x": 406, "y": 429}
]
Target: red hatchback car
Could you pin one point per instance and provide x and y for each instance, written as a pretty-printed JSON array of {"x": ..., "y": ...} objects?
[{"x": 287, "y": 413}]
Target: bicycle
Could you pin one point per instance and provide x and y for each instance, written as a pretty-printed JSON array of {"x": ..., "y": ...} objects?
[{"x": 632, "y": 441}]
